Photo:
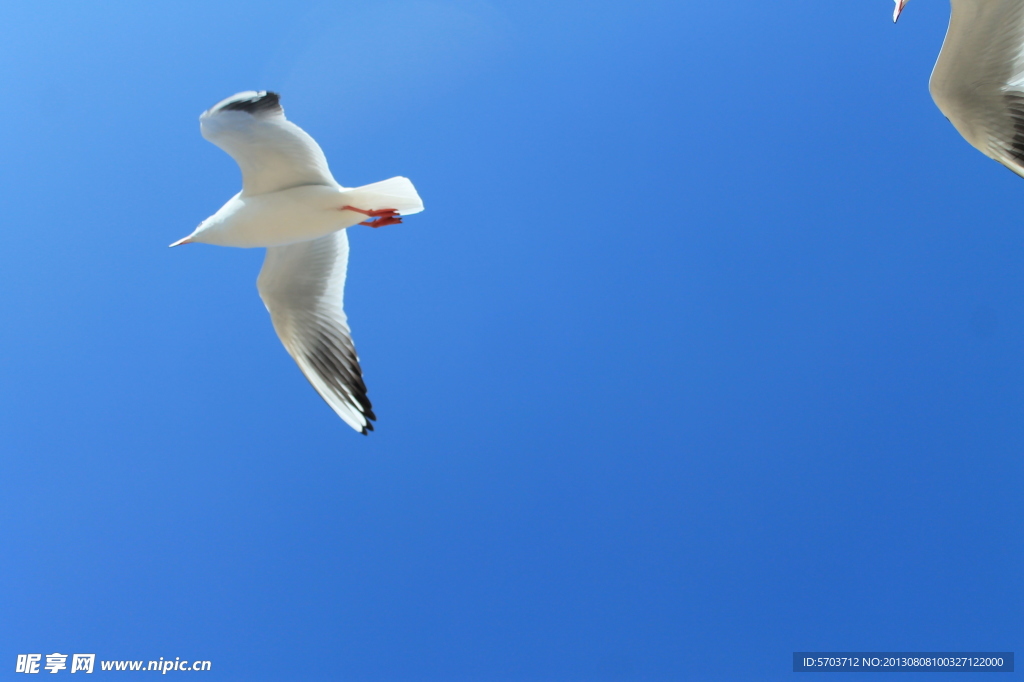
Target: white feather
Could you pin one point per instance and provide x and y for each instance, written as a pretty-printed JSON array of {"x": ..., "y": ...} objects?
[
  {"x": 302, "y": 286},
  {"x": 978, "y": 80},
  {"x": 273, "y": 152}
]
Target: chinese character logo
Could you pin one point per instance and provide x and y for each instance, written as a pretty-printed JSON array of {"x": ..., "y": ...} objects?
[
  {"x": 28, "y": 663},
  {"x": 55, "y": 662},
  {"x": 80, "y": 663}
]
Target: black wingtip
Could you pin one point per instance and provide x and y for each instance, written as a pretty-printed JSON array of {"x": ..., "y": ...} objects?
[{"x": 251, "y": 102}]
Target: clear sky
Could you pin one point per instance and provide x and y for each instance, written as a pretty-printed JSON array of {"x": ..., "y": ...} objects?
[{"x": 708, "y": 348}]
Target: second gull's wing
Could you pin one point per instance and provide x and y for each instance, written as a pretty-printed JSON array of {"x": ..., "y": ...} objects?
[{"x": 978, "y": 80}]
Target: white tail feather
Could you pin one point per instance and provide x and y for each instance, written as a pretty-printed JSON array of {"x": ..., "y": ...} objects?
[{"x": 397, "y": 193}]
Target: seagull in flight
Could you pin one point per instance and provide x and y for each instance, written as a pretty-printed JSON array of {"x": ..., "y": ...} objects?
[
  {"x": 291, "y": 205},
  {"x": 978, "y": 80}
]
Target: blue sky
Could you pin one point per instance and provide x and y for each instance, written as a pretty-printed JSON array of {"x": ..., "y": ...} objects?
[{"x": 707, "y": 349}]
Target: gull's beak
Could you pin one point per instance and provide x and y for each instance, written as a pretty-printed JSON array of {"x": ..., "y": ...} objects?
[
  {"x": 900, "y": 4},
  {"x": 184, "y": 240}
]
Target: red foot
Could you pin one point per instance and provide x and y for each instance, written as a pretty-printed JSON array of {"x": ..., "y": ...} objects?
[
  {"x": 381, "y": 222},
  {"x": 384, "y": 216}
]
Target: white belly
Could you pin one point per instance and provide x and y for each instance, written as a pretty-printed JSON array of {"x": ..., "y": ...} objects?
[{"x": 278, "y": 218}]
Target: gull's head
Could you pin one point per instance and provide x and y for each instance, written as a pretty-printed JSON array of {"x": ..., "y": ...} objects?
[{"x": 900, "y": 4}]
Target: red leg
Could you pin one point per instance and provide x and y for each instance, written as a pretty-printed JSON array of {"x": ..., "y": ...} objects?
[
  {"x": 384, "y": 216},
  {"x": 381, "y": 222}
]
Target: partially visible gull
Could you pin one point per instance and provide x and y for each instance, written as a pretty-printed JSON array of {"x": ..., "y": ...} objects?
[
  {"x": 291, "y": 204},
  {"x": 978, "y": 80}
]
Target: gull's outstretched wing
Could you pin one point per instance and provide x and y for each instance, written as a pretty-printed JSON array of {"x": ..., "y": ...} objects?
[
  {"x": 302, "y": 286},
  {"x": 272, "y": 152},
  {"x": 978, "y": 81}
]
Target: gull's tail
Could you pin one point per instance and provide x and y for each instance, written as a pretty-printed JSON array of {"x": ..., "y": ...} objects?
[{"x": 397, "y": 193}]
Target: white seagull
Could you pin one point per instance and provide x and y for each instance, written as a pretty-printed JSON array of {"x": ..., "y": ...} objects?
[
  {"x": 292, "y": 205},
  {"x": 978, "y": 80}
]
